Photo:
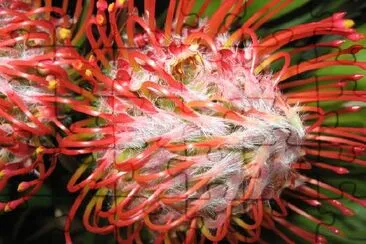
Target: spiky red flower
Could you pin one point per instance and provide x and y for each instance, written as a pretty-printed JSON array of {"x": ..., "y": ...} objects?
[
  {"x": 191, "y": 130},
  {"x": 32, "y": 82}
]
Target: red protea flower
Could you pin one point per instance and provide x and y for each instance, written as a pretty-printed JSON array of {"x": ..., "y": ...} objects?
[
  {"x": 24, "y": 114},
  {"x": 192, "y": 133},
  {"x": 29, "y": 78}
]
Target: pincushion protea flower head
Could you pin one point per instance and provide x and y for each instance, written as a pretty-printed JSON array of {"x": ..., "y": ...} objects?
[
  {"x": 192, "y": 131},
  {"x": 27, "y": 83}
]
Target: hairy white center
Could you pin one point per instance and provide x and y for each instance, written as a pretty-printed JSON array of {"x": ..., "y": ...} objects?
[{"x": 262, "y": 146}]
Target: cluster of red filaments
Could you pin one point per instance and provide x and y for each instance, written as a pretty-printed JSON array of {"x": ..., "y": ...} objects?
[
  {"x": 33, "y": 83},
  {"x": 186, "y": 133}
]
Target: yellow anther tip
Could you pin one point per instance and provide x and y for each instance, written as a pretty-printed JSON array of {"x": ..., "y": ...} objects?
[
  {"x": 52, "y": 84},
  {"x": 2, "y": 173},
  {"x": 348, "y": 23},
  {"x": 91, "y": 58},
  {"x": 111, "y": 7},
  {"x": 64, "y": 33},
  {"x": 99, "y": 19},
  {"x": 120, "y": 2},
  {"x": 88, "y": 72},
  {"x": 198, "y": 58},
  {"x": 39, "y": 150}
]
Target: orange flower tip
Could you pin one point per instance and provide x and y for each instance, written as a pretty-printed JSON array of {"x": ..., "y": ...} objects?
[
  {"x": 64, "y": 33},
  {"x": 99, "y": 19},
  {"x": 2, "y": 173},
  {"x": 22, "y": 187},
  {"x": 52, "y": 84},
  {"x": 7, "y": 208},
  {"x": 88, "y": 73},
  {"x": 120, "y": 2},
  {"x": 111, "y": 7}
]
